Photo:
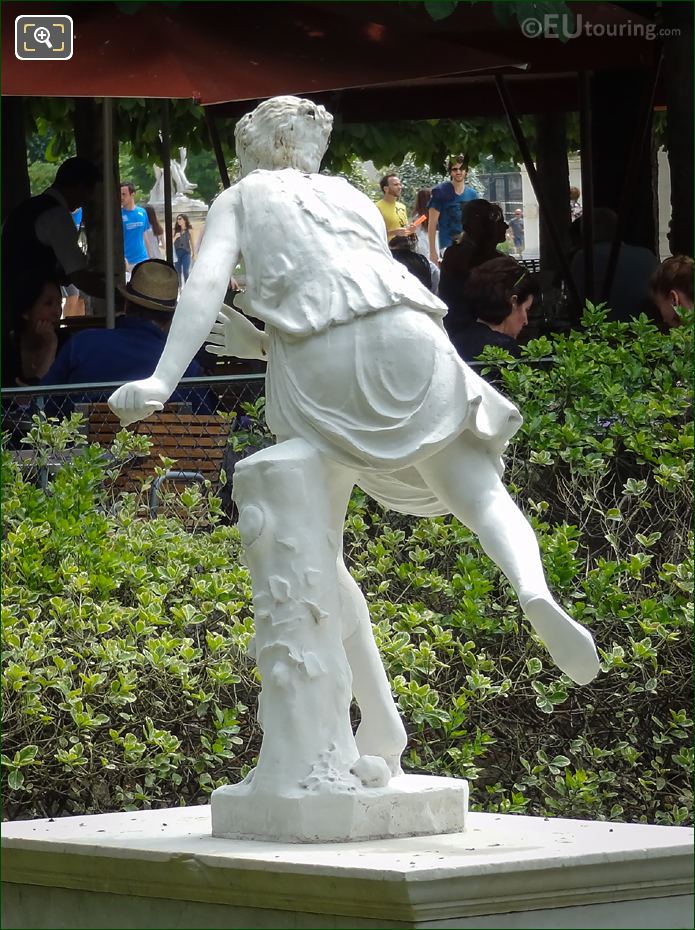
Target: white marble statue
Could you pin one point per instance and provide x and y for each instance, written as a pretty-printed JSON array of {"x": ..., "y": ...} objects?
[
  {"x": 363, "y": 387},
  {"x": 180, "y": 185}
]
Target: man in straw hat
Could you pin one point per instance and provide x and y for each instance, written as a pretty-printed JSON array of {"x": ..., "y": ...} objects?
[
  {"x": 363, "y": 387},
  {"x": 133, "y": 348}
]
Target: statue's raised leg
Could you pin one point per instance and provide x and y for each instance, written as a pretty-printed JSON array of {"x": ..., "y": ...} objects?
[{"x": 464, "y": 478}]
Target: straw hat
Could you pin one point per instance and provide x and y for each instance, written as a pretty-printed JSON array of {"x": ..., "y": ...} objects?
[{"x": 154, "y": 284}]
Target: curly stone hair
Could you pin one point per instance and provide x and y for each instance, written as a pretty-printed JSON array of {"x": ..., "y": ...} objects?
[{"x": 283, "y": 132}]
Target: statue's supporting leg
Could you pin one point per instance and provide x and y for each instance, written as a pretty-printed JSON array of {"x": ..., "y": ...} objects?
[
  {"x": 284, "y": 499},
  {"x": 464, "y": 478},
  {"x": 381, "y": 731}
]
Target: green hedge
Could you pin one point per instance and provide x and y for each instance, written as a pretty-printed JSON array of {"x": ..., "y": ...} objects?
[{"x": 126, "y": 683}]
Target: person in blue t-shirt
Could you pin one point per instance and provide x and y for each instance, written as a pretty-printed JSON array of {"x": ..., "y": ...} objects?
[
  {"x": 135, "y": 224},
  {"x": 445, "y": 207}
]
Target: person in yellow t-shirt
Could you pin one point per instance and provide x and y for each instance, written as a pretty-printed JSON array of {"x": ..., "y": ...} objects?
[{"x": 393, "y": 211}]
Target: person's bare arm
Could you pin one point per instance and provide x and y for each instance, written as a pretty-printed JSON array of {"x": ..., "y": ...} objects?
[
  {"x": 195, "y": 315},
  {"x": 433, "y": 221},
  {"x": 401, "y": 231}
]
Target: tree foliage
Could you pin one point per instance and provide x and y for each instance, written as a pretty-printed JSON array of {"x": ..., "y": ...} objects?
[{"x": 137, "y": 124}]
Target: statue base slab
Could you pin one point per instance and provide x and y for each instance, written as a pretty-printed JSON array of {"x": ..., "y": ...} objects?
[
  {"x": 410, "y": 805},
  {"x": 163, "y": 869}
]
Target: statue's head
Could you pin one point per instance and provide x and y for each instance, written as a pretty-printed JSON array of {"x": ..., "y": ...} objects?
[{"x": 283, "y": 132}]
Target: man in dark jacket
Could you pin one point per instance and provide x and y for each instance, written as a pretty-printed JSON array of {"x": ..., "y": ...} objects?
[{"x": 39, "y": 237}]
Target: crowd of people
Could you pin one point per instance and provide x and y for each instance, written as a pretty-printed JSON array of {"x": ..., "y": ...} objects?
[
  {"x": 452, "y": 242},
  {"x": 143, "y": 236}
]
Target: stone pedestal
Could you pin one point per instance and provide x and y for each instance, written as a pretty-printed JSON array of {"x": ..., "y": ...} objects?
[
  {"x": 410, "y": 805},
  {"x": 163, "y": 869}
]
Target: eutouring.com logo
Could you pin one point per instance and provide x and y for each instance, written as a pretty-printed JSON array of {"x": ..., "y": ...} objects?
[{"x": 566, "y": 26}]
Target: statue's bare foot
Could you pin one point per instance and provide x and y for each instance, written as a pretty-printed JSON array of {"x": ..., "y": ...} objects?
[
  {"x": 570, "y": 645},
  {"x": 384, "y": 737}
]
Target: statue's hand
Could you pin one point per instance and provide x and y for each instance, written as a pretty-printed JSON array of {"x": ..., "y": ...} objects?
[
  {"x": 233, "y": 334},
  {"x": 138, "y": 399}
]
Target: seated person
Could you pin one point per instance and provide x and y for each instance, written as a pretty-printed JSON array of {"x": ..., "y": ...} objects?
[
  {"x": 484, "y": 229},
  {"x": 30, "y": 331},
  {"x": 132, "y": 349},
  {"x": 629, "y": 295},
  {"x": 672, "y": 287},
  {"x": 500, "y": 293},
  {"x": 403, "y": 249}
]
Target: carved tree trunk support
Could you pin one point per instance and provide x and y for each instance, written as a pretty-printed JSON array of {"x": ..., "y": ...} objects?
[
  {"x": 310, "y": 783},
  {"x": 284, "y": 520}
]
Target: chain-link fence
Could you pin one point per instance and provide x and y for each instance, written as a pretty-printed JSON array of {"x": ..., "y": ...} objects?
[{"x": 206, "y": 427}]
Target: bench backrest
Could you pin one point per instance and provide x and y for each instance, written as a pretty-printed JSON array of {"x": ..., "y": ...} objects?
[{"x": 195, "y": 441}]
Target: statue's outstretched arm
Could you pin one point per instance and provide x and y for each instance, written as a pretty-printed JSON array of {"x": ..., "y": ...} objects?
[{"x": 195, "y": 314}]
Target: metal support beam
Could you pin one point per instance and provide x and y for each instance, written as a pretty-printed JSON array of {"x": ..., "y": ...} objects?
[
  {"x": 585, "y": 144},
  {"x": 217, "y": 147},
  {"x": 109, "y": 211},
  {"x": 166, "y": 168},
  {"x": 631, "y": 175},
  {"x": 524, "y": 149}
]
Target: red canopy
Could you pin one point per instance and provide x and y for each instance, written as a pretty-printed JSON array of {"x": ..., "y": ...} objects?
[{"x": 216, "y": 52}]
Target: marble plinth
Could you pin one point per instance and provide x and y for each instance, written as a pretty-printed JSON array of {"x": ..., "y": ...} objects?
[
  {"x": 410, "y": 805},
  {"x": 164, "y": 869}
]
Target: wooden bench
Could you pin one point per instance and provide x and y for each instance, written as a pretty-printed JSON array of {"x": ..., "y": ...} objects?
[{"x": 196, "y": 442}]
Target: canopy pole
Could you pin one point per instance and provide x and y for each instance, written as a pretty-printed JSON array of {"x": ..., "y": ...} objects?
[
  {"x": 630, "y": 180},
  {"x": 166, "y": 167},
  {"x": 217, "y": 147},
  {"x": 109, "y": 212},
  {"x": 548, "y": 219},
  {"x": 587, "y": 170}
]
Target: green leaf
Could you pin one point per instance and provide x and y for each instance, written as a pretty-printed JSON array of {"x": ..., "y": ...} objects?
[
  {"x": 26, "y": 755},
  {"x": 534, "y": 666},
  {"x": 15, "y": 779}
]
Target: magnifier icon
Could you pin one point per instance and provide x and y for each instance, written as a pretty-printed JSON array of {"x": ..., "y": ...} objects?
[{"x": 42, "y": 35}]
